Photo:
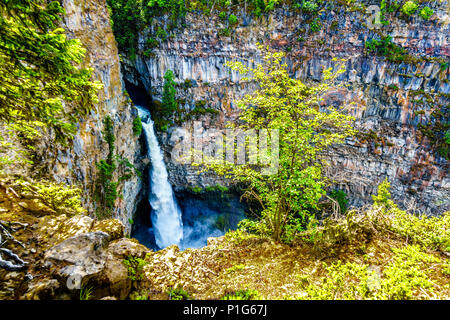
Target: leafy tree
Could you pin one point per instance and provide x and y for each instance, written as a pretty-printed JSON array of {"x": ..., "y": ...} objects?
[
  {"x": 306, "y": 128},
  {"x": 42, "y": 84},
  {"x": 168, "y": 98}
]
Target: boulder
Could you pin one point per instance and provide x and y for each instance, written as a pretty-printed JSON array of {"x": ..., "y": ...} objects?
[
  {"x": 124, "y": 248},
  {"x": 113, "y": 227},
  {"x": 78, "y": 258}
]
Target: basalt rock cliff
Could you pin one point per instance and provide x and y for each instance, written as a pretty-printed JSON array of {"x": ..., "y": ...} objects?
[{"x": 393, "y": 99}]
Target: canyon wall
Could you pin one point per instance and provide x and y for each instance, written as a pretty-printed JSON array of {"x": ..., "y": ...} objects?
[
  {"x": 89, "y": 21},
  {"x": 387, "y": 95}
]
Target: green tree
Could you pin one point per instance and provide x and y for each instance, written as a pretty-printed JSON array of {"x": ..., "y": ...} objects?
[
  {"x": 168, "y": 97},
  {"x": 42, "y": 83},
  {"x": 306, "y": 128}
]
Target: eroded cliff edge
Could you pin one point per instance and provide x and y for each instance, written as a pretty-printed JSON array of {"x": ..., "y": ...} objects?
[{"x": 393, "y": 98}]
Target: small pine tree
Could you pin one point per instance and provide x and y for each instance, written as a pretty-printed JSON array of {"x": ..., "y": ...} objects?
[
  {"x": 168, "y": 98},
  {"x": 383, "y": 197}
]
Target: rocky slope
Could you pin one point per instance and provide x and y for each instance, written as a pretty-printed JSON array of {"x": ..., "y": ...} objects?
[
  {"x": 387, "y": 95},
  {"x": 62, "y": 253}
]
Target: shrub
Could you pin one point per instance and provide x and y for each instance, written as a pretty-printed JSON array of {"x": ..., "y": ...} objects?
[
  {"x": 309, "y": 7},
  {"x": 409, "y": 7},
  {"x": 404, "y": 277},
  {"x": 405, "y": 274},
  {"x": 341, "y": 197},
  {"x": 232, "y": 19},
  {"x": 385, "y": 47},
  {"x": 161, "y": 34},
  {"x": 178, "y": 294},
  {"x": 426, "y": 13},
  {"x": 315, "y": 25},
  {"x": 168, "y": 97},
  {"x": 217, "y": 188},
  {"x": 137, "y": 126},
  {"x": 234, "y": 268},
  {"x": 343, "y": 281},
  {"x": 135, "y": 267},
  {"x": 245, "y": 294},
  {"x": 59, "y": 197}
]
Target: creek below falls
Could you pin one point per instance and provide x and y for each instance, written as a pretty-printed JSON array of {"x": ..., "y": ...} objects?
[{"x": 203, "y": 214}]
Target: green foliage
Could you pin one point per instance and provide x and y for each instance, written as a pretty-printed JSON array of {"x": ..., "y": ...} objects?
[
  {"x": 85, "y": 293},
  {"x": 237, "y": 267},
  {"x": 244, "y": 294},
  {"x": 383, "y": 197},
  {"x": 430, "y": 232},
  {"x": 341, "y": 197},
  {"x": 59, "y": 197},
  {"x": 128, "y": 19},
  {"x": 383, "y": 218},
  {"x": 178, "y": 294},
  {"x": 196, "y": 189},
  {"x": 136, "y": 295},
  {"x": 426, "y": 12},
  {"x": 42, "y": 84},
  {"x": 343, "y": 281},
  {"x": 106, "y": 184},
  {"x": 404, "y": 277},
  {"x": 168, "y": 97},
  {"x": 232, "y": 20},
  {"x": 177, "y": 8},
  {"x": 161, "y": 34},
  {"x": 135, "y": 267},
  {"x": 137, "y": 126},
  {"x": 385, "y": 47},
  {"x": 224, "y": 32},
  {"x": 216, "y": 188},
  {"x": 198, "y": 111},
  {"x": 405, "y": 274},
  {"x": 447, "y": 137},
  {"x": 309, "y": 6},
  {"x": 409, "y": 7},
  {"x": 315, "y": 25},
  {"x": 108, "y": 136},
  {"x": 238, "y": 236},
  {"x": 289, "y": 196},
  {"x": 106, "y": 187}
]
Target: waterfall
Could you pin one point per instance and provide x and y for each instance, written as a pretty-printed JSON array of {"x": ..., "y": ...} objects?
[{"x": 166, "y": 215}]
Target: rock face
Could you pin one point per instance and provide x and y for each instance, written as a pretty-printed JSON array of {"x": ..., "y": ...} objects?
[
  {"x": 387, "y": 94},
  {"x": 89, "y": 22}
]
